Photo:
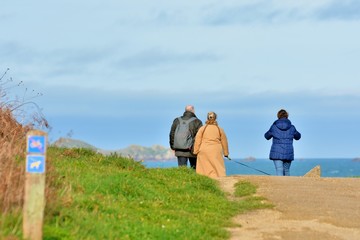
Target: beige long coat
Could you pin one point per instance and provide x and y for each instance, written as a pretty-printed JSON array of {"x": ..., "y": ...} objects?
[{"x": 211, "y": 146}]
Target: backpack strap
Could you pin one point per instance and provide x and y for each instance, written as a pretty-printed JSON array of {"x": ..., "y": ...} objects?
[
  {"x": 187, "y": 120},
  {"x": 205, "y": 129}
]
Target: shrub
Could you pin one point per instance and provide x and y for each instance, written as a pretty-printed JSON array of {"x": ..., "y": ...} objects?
[{"x": 16, "y": 119}]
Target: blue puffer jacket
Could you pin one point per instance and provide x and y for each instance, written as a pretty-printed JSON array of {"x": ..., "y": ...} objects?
[{"x": 282, "y": 132}]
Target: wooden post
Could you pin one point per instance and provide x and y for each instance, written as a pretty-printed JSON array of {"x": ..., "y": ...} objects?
[{"x": 34, "y": 200}]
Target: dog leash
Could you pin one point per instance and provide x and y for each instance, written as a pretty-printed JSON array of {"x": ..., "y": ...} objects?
[{"x": 249, "y": 166}]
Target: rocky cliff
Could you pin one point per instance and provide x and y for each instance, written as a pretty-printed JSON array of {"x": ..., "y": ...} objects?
[{"x": 137, "y": 152}]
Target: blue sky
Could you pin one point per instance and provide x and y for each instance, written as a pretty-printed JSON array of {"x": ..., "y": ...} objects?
[{"x": 116, "y": 73}]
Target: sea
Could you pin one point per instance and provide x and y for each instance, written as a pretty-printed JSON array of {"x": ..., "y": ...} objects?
[{"x": 330, "y": 167}]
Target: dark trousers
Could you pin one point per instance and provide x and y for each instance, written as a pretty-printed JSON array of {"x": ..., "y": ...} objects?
[{"x": 182, "y": 161}]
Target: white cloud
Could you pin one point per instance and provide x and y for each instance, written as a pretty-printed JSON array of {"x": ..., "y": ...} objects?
[
  {"x": 128, "y": 60},
  {"x": 121, "y": 45},
  {"x": 347, "y": 10}
]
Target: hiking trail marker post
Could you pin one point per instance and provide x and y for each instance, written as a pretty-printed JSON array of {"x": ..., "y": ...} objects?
[{"x": 34, "y": 198}]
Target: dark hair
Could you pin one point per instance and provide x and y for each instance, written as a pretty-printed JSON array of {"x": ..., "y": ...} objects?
[{"x": 282, "y": 114}]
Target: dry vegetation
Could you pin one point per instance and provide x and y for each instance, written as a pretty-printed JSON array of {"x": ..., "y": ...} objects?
[
  {"x": 16, "y": 119},
  {"x": 12, "y": 153}
]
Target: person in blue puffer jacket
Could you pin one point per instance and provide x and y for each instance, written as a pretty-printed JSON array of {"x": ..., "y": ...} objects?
[{"x": 282, "y": 151}]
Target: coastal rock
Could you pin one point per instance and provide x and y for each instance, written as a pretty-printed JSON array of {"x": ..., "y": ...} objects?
[
  {"x": 72, "y": 143},
  {"x": 249, "y": 159},
  {"x": 137, "y": 152},
  {"x": 314, "y": 173}
]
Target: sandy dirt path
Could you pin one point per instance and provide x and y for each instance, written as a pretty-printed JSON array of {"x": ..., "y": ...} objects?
[{"x": 305, "y": 208}]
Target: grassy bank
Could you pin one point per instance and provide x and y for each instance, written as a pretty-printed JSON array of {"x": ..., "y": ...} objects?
[{"x": 91, "y": 196}]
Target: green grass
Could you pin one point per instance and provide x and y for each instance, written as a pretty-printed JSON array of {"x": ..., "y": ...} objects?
[
  {"x": 99, "y": 197},
  {"x": 244, "y": 188}
]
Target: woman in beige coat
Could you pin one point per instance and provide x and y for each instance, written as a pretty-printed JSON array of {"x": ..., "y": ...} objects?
[{"x": 210, "y": 146}]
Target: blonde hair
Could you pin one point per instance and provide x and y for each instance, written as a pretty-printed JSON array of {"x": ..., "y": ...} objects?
[{"x": 211, "y": 118}]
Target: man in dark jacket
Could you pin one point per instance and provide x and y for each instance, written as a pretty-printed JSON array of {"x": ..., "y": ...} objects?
[
  {"x": 183, "y": 155},
  {"x": 282, "y": 151}
]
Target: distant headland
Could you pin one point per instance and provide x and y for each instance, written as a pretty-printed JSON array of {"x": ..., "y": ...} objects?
[{"x": 137, "y": 152}]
